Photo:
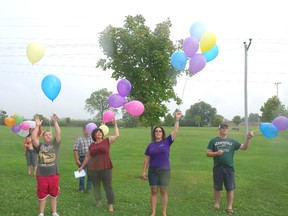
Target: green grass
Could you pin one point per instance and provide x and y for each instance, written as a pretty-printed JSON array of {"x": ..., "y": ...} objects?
[{"x": 261, "y": 176}]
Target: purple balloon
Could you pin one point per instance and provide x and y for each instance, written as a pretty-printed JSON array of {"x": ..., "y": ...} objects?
[
  {"x": 197, "y": 63},
  {"x": 281, "y": 122},
  {"x": 90, "y": 127},
  {"x": 16, "y": 128},
  {"x": 115, "y": 100},
  {"x": 190, "y": 46},
  {"x": 124, "y": 87}
]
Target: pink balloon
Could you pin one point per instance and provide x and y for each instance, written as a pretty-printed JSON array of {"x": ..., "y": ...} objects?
[
  {"x": 90, "y": 127},
  {"x": 190, "y": 46},
  {"x": 124, "y": 87},
  {"x": 197, "y": 63},
  {"x": 25, "y": 125},
  {"x": 134, "y": 108},
  {"x": 115, "y": 100},
  {"x": 108, "y": 116}
]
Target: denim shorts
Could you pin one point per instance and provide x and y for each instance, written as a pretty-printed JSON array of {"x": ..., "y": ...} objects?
[
  {"x": 159, "y": 177},
  {"x": 224, "y": 175}
]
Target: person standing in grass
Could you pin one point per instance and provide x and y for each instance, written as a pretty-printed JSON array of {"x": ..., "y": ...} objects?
[
  {"x": 100, "y": 165},
  {"x": 47, "y": 169},
  {"x": 222, "y": 149},
  {"x": 81, "y": 146},
  {"x": 157, "y": 158}
]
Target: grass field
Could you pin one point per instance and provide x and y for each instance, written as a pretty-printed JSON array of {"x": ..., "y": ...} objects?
[{"x": 261, "y": 176}]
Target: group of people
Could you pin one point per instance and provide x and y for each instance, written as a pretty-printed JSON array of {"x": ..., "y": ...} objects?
[{"x": 92, "y": 153}]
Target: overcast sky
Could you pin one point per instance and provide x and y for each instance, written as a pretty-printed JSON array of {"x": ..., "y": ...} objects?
[{"x": 69, "y": 30}]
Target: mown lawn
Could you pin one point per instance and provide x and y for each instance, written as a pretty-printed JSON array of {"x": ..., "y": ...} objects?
[{"x": 261, "y": 176}]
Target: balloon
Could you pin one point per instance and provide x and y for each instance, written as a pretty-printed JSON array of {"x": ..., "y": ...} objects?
[
  {"x": 179, "y": 60},
  {"x": 134, "y": 108},
  {"x": 18, "y": 119},
  {"x": 207, "y": 41},
  {"x": 90, "y": 127},
  {"x": 16, "y": 128},
  {"x": 51, "y": 86},
  {"x": 25, "y": 125},
  {"x": 23, "y": 133},
  {"x": 197, "y": 30},
  {"x": 115, "y": 100},
  {"x": 268, "y": 130},
  {"x": 105, "y": 129},
  {"x": 124, "y": 87},
  {"x": 197, "y": 63},
  {"x": 108, "y": 116},
  {"x": 211, "y": 54},
  {"x": 281, "y": 122},
  {"x": 9, "y": 121},
  {"x": 190, "y": 46},
  {"x": 32, "y": 124},
  {"x": 35, "y": 51}
]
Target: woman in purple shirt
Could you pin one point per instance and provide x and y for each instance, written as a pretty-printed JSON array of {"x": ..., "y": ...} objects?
[{"x": 157, "y": 157}]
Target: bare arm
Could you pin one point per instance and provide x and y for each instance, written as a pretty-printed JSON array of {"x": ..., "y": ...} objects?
[
  {"x": 54, "y": 118},
  {"x": 145, "y": 165},
  {"x": 116, "y": 133},
  {"x": 76, "y": 156},
  {"x": 34, "y": 135},
  {"x": 178, "y": 115},
  {"x": 210, "y": 153},
  {"x": 247, "y": 141}
]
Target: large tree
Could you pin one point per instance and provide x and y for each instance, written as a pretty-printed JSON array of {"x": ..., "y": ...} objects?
[
  {"x": 142, "y": 56},
  {"x": 97, "y": 103},
  {"x": 202, "y": 109},
  {"x": 271, "y": 109}
]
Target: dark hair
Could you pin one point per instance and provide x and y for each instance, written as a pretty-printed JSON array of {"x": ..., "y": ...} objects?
[
  {"x": 95, "y": 131},
  {"x": 153, "y": 133}
]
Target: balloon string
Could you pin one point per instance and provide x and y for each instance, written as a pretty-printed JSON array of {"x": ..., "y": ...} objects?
[{"x": 183, "y": 92}]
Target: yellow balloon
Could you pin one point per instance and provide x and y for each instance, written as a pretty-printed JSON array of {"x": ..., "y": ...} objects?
[
  {"x": 207, "y": 41},
  {"x": 35, "y": 51},
  {"x": 105, "y": 129}
]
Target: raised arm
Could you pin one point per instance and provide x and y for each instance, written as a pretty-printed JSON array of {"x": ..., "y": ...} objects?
[
  {"x": 116, "y": 132},
  {"x": 34, "y": 135},
  {"x": 178, "y": 115},
  {"x": 247, "y": 141},
  {"x": 54, "y": 118}
]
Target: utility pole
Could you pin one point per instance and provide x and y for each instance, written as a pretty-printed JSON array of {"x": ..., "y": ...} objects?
[
  {"x": 246, "y": 48},
  {"x": 277, "y": 83}
]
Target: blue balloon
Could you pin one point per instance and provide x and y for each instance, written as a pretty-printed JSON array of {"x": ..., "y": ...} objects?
[
  {"x": 268, "y": 130},
  {"x": 197, "y": 30},
  {"x": 179, "y": 60},
  {"x": 51, "y": 86},
  {"x": 211, "y": 54}
]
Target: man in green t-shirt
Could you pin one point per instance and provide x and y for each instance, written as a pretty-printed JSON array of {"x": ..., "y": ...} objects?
[{"x": 222, "y": 148}]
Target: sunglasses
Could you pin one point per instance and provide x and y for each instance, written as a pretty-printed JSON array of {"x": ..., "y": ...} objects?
[{"x": 158, "y": 131}]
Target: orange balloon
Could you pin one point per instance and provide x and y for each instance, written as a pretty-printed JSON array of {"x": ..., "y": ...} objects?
[{"x": 9, "y": 121}]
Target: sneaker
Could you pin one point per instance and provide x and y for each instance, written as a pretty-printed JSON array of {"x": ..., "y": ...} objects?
[
  {"x": 41, "y": 214},
  {"x": 55, "y": 214},
  {"x": 80, "y": 191}
]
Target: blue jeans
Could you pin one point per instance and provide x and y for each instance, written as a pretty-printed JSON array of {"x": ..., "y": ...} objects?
[{"x": 82, "y": 179}]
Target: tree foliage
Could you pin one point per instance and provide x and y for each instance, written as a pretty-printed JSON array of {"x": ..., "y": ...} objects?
[
  {"x": 169, "y": 120},
  {"x": 271, "y": 109},
  {"x": 202, "y": 109},
  {"x": 237, "y": 120},
  {"x": 97, "y": 103},
  {"x": 3, "y": 115},
  {"x": 142, "y": 56}
]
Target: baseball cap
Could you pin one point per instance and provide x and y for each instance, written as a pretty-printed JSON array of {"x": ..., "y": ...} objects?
[{"x": 223, "y": 125}]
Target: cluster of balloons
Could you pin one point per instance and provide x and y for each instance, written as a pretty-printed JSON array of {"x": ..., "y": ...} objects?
[
  {"x": 18, "y": 125},
  {"x": 92, "y": 126},
  {"x": 270, "y": 130},
  {"x": 51, "y": 84},
  {"x": 197, "y": 61},
  {"x": 116, "y": 100}
]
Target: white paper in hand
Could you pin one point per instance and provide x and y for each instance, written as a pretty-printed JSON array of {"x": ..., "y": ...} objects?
[{"x": 79, "y": 174}]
